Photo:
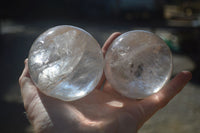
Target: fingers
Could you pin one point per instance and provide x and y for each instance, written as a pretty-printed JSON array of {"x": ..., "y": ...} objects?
[
  {"x": 101, "y": 82},
  {"x": 25, "y": 71},
  {"x": 104, "y": 50},
  {"x": 110, "y": 90},
  {"x": 28, "y": 89},
  {"x": 109, "y": 41},
  {"x": 107, "y": 87},
  {"x": 25, "y": 74},
  {"x": 157, "y": 101}
]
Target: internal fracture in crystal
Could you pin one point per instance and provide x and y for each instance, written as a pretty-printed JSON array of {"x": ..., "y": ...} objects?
[
  {"x": 65, "y": 62},
  {"x": 138, "y": 64}
]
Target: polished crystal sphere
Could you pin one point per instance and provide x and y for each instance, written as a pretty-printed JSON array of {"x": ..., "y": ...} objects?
[
  {"x": 65, "y": 62},
  {"x": 138, "y": 64}
]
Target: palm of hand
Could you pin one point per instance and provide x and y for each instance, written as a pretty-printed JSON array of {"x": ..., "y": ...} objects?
[{"x": 101, "y": 111}]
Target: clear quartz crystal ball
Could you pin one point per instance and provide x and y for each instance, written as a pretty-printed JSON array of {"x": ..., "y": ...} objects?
[
  {"x": 65, "y": 62},
  {"x": 138, "y": 64}
]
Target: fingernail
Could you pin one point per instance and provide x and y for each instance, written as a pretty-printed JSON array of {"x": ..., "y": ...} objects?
[
  {"x": 25, "y": 61},
  {"x": 187, "y": 75}
]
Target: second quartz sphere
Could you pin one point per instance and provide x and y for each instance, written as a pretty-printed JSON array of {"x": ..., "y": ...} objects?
[
  {"x": 138, "y": 64},
  {"x": 66, "y": 62}
]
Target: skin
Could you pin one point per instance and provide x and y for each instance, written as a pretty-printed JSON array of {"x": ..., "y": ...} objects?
[{"x": 102, "y": 111}]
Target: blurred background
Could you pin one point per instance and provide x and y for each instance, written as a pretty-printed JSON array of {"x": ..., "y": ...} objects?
[{"x": 177, "y": 22}]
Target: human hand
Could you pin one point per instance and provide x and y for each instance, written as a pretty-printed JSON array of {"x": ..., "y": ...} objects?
[{"x": 102, "y": 111}]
